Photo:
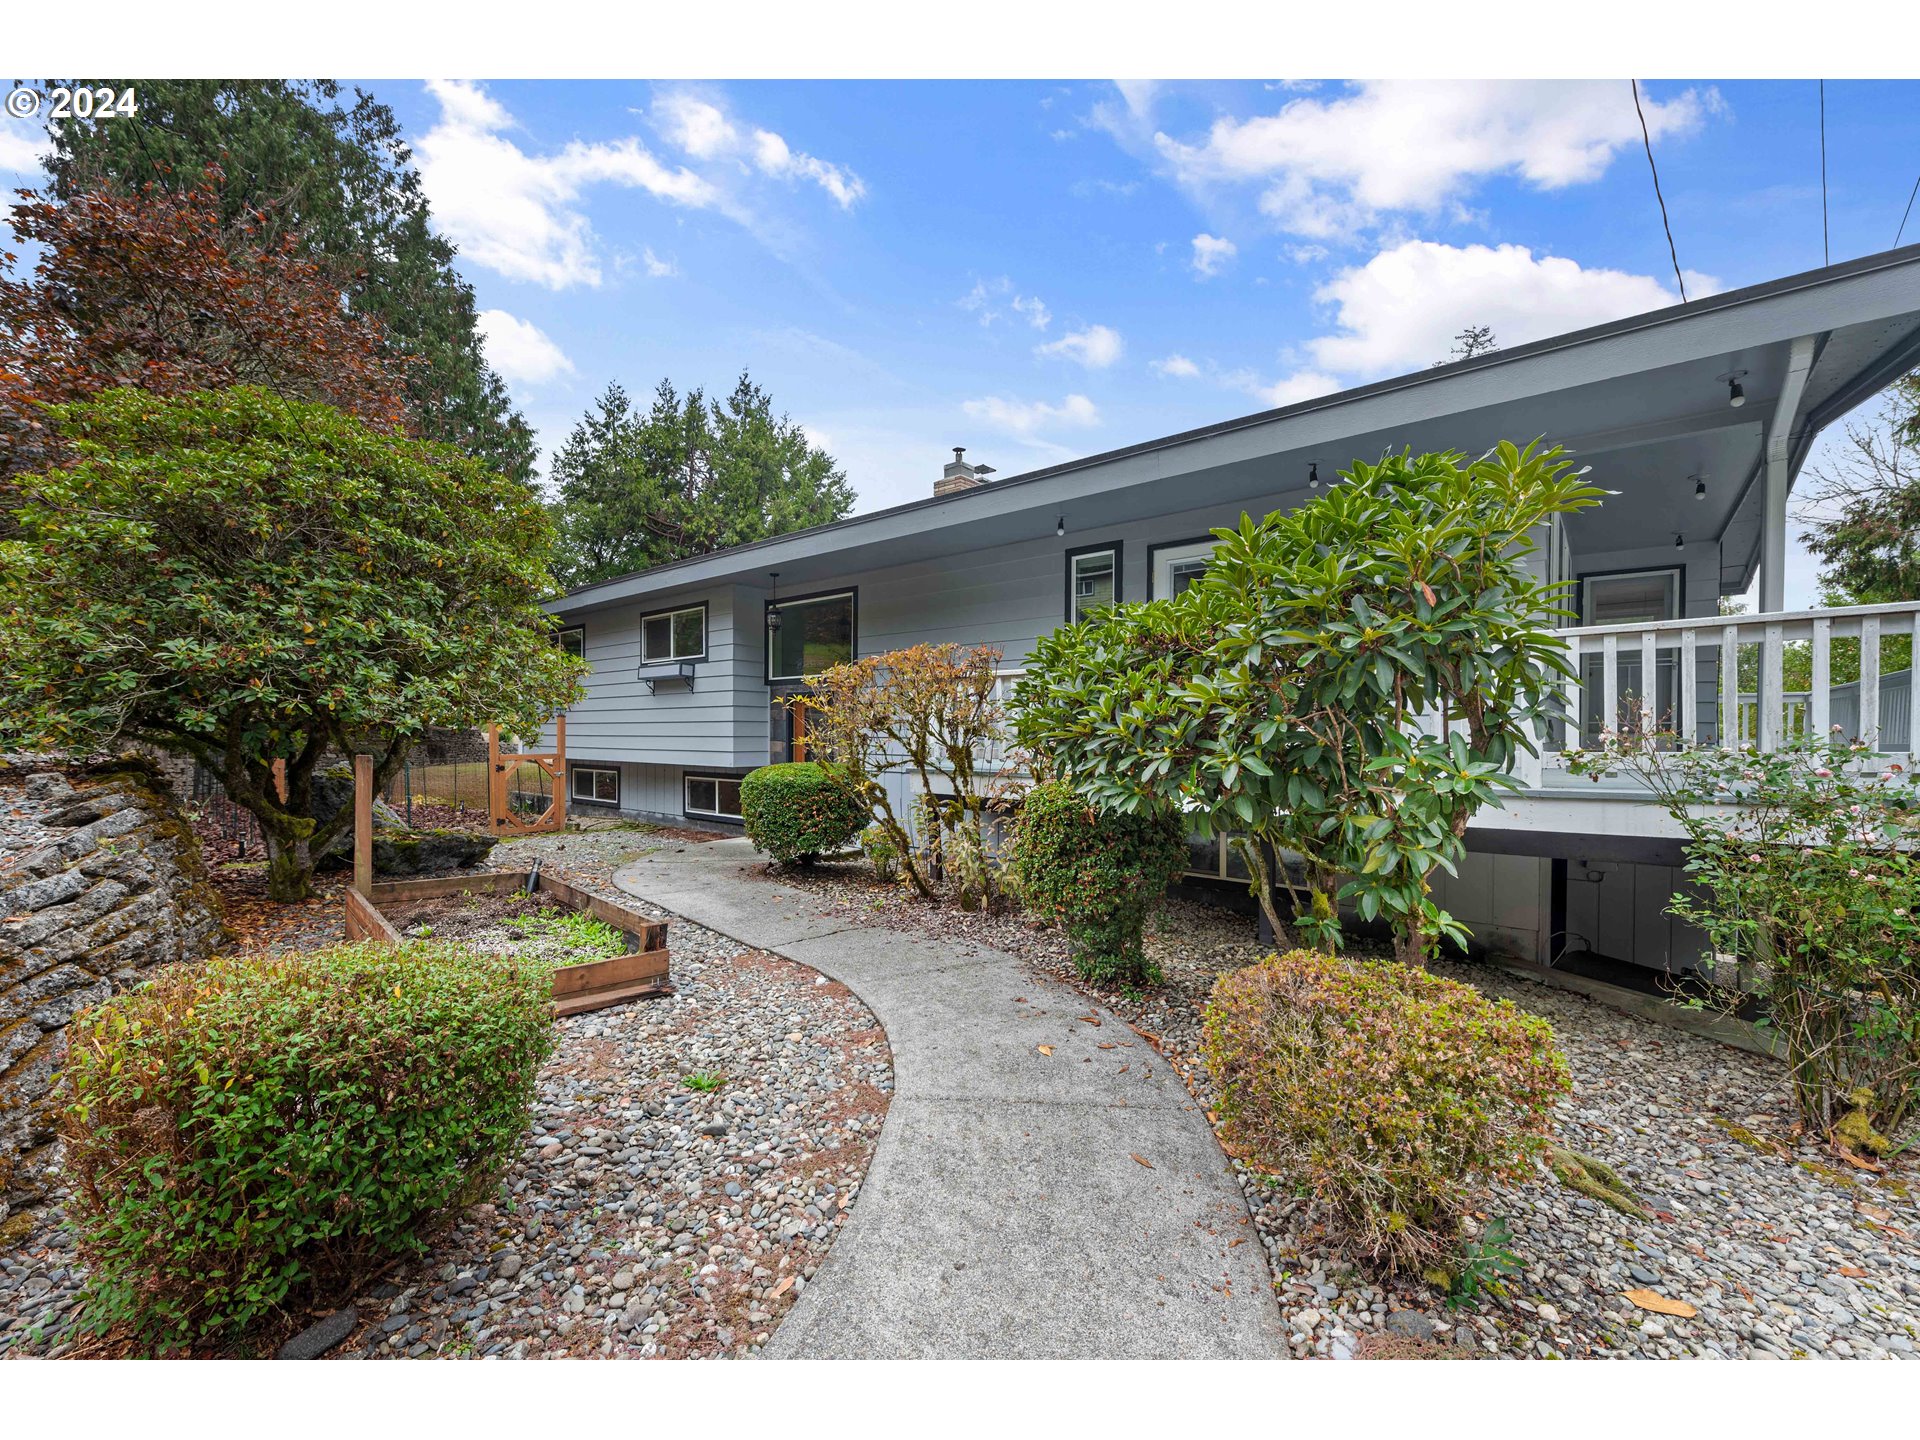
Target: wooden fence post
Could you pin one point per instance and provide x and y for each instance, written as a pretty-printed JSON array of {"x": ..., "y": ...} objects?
[
  {"x": 363, "y": 825},
  {"x": 558, "y": 771}
]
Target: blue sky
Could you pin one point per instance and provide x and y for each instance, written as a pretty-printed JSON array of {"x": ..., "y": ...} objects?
[{"x": 1041, "y": 270}]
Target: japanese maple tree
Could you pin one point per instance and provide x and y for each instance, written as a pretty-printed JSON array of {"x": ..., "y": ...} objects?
[{"x": 159, "y": 289}]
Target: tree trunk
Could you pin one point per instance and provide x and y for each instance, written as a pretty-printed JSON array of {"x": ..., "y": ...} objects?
[
  {"x": 1410, "y": 946},
  {"x": 289, "y": 866}
]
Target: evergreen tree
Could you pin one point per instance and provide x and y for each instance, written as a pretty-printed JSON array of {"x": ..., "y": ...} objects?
[
  {"x": 687, "y": 477},
  {"x": 341, "y": 179}
]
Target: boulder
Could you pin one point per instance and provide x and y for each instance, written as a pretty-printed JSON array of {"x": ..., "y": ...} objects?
[{"x": 397, "y": 849}]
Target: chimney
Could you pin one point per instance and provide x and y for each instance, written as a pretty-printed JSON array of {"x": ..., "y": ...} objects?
[{"x": 959, "y": 475}]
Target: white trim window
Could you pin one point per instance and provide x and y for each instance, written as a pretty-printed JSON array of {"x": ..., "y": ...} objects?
[
  {"x": 1175, "y": 567},
  {"x": 815, "y": 633},
  {"x": 1093, "y": 581},
  {"x": 712, "y": 797},
  {"x": 1630, "y": 598},
  {"x": 573, "y": 640},
  {"x": 595, "y": 784},
  {"x": 674, "y": 635}
]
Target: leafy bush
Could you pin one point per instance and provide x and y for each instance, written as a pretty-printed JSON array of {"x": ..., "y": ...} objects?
[
  {"x": 1392, "y": 1093},
  {"x": 877, "y": 845},
  {"x": 800, "y": 811},
  {"x": 263, "y": 1131},
  {"x": 1099, "y": 874},
  {"x": 1808, "y": 875}
]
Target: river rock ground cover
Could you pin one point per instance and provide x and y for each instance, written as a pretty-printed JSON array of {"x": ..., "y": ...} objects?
[
  {"x": 691, "y": 1160},
  {"x": 1782, "y": 1249}
]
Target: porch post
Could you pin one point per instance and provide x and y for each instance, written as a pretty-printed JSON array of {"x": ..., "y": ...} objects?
[{"x": 1779, "y": 458}]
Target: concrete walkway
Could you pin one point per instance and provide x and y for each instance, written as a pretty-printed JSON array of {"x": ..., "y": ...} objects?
[{"x": 1007, "y": 1212}]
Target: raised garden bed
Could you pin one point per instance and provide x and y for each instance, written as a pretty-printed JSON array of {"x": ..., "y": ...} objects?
[{"x": 488, "y": 910}]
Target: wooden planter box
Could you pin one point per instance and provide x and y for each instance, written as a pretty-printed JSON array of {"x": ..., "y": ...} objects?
[{"x": 594, "y": 985}]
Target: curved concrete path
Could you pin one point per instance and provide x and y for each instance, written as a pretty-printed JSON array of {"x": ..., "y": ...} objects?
[{"x": 1007, "y": 1212}]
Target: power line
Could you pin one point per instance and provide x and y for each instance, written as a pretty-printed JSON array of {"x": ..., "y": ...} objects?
[
  {"x": 1826, "y": 249},
  {"x": 1903, "y": 219},
  {"x": 1647, "y": 140}
]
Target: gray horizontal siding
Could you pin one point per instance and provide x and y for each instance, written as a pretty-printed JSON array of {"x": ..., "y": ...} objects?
[{"x": 1006, "y": 597}]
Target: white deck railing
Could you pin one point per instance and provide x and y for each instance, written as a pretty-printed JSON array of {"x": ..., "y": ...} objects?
[{"x": 1696, "y": 694}]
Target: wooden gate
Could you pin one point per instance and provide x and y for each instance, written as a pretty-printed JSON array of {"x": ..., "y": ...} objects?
[{"x": 500, "y": 768}]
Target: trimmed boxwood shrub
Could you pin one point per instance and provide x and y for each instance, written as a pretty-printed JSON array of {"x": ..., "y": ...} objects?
[
  {"x": 800, "y": 811},
  {"x": 1098, "y": 874},
  {"x": 262, "y": 1132},
  {"x": 1393, "y": 1093}
]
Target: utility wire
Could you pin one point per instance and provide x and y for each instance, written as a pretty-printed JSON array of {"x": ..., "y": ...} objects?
[
  {"x": 1903, "y": 219},
  {"x": 1647, "y": 140},
  {"x": 1826, "y": 249}
]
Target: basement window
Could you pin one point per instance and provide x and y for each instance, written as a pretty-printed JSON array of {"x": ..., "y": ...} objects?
[
  {"x": 713, "y": 797},
  {"x": 596, "y": 786}
]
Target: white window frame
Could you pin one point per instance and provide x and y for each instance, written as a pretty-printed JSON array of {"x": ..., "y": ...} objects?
[
  {"x": 686, "y": 796},
  {"x": 1089, "y": 552},
  {"x": 1165, "y": 557},
  {"x": 572, "y": 639},
  {"x": 574, "y": 775},
  {"x": 1676, "y": 595},
  {"x": 649, "y": 658},
  {"x": 851, "y": 595}
]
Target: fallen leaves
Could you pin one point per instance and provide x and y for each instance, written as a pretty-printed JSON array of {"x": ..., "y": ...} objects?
[
  {"x": 1044, "y": 1049},
  {"x": 1659, "y": 1304},
  {"x": 1142, "y": 1160},
  {"x": 1093, "y": 1020}
]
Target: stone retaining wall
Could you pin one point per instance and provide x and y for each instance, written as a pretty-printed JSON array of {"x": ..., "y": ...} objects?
[{"x": 100, "y": 881}]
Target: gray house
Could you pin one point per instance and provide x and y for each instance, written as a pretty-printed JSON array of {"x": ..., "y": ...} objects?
[{"x": 1700, "y": 416}]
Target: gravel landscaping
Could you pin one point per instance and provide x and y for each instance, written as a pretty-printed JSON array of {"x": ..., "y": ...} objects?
[
  {"x": 645, "y": 1215},
  {"x": 1782, "y": 1249}
]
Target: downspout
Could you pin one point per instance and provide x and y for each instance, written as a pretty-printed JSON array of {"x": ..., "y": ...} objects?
[{"x": 1773, "y": 515}]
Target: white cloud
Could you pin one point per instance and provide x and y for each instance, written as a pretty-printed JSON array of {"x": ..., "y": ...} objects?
[
  {"x": 988, "y": 296},
  {"x": 1306, "y": 254},
  {"x": 1402, "y": 309},
  {"x": 656, "y": 267},
  {"x": 520, "y": 350},
  {"x": 1326, "y": 167},
  {"x": 707, "y": 132},
  {"x": 1028, "y": 418},
  {"x": 519, "y": 214},
  {"x": 1211, "y": 254},
  {"x": 21, "y": 147},
  {"x": 1178, "y": 366},
  {"x": 1095, "y": 347},
  {"x": 1035, "y": 309}
]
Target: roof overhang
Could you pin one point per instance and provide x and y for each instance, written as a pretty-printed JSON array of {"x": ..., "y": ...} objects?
[{"x": 1643, "y": 399}]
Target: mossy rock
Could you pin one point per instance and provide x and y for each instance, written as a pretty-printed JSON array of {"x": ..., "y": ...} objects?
[
  {"x": 1855, "y": 1129},
  {"x": 1596, "y": 1180}
]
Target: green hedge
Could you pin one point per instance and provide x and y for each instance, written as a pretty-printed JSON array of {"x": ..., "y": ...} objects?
[
  {"x": 1100, "y": 875},
  {"x": 1393, "y": 1094},
  {"x": 800, "y": 811},
  {"x": 262, "y": 1132}
]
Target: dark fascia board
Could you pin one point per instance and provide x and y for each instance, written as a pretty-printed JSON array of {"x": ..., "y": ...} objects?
[{"x": 1440, "y": 375}]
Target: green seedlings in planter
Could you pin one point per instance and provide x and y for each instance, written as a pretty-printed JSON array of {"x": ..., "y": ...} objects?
[
  {"x": 704, "y": 1080},
  {"x": 571, "y": 928}
]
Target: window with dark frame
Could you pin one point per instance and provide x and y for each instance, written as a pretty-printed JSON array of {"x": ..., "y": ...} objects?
[
  {"x": 815, "y": 633},
  {"x": 1093, "y": 580},
  {"x": 596, "y": 785},
  {"x": 674, "y": 635},
  {"x": 713, "y": 797}
]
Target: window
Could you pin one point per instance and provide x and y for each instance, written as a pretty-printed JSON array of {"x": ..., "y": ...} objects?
[
  {"x": 1639, "y": 596},
  {"x": 814, "y": 633},
  {"x": 596, "y": 786},
  {"x": 573, "y": 640},
  {"x": 1172, "y": 568},
  {"x": 1093, "y": 580},
  {"x": 674, "y": 635},
  {"x": 713, "y": 797}
]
